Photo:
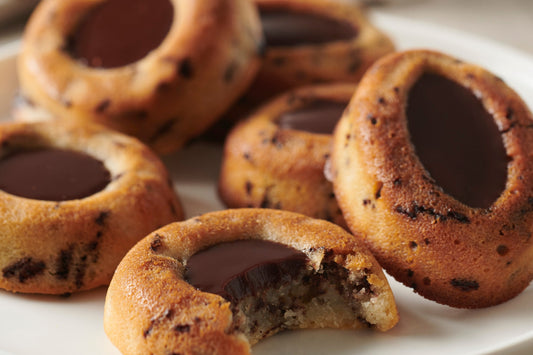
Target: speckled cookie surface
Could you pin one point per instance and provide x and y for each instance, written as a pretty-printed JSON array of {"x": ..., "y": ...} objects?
[
  {"x": 165, "y": 98},
  {"x": 346, "y": 60},
  {"x": 333, "y": 58},
  {"x": 439, "y": 245},
  {"x": 151, "y": 308},
  {"x": 58, "y": 247},
  {"x": 266, "y": 165}
]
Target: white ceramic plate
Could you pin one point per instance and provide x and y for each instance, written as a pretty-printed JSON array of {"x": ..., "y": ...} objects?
[{"x": 51, "y": 325}]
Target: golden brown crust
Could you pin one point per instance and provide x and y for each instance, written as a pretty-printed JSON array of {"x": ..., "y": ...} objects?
[
  {"x": 444, "y": 249},
  {"x": 148, "y": 299},
  {"x": 340, "y": 61},
  {"x": 266, "y": 166},
  {"x": 286, "y": 68},
  {"x": 61, "y": 247},
  {"x": 160, "y": 98}
]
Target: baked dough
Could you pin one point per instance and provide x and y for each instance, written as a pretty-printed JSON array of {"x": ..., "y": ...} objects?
[
  {"x": 165, "y": 98},
  {"x": 291, "y": 66},
  {"x": 287, "y": 67},
  {"x": 264, "y": 165},
  {"x": 443, "y": 247},
  {"x": 57, "y": 247},
  {"x": 150, "y": 308}
]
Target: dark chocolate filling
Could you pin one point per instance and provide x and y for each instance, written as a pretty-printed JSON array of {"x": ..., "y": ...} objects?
[
  {"x": 318, "y": 116},
  {"x": 241, "y": 268},
  {"x": 121, "y": 32},
  {"x": 283, "y": 28},
  {"x": 52, "y": 174},
  {"x": 457, "y": 140}
]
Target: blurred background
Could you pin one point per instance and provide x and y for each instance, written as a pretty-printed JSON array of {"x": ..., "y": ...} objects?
[{"x": 507, "y": 21}]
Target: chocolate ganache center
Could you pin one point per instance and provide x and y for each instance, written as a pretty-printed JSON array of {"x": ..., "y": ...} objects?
[
  {"x": 240, "y": 268},
  {"x": 52, "y": 174},
  {"x": 457, "y": 140},
  {"x": 318, "y": 116},
  {"x": 283, "y": 28},
  {"x": 121, "y": 32}
]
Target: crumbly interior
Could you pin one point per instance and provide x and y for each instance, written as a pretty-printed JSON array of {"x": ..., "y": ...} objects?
[{"x": 326, "y": 298}]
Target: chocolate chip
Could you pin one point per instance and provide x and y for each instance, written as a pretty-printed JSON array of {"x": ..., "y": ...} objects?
[
  {"x": 63, "y": 263},
  {"x": 101, "y": 219},
  {"x": 167, "y": 314},
  {"x": 81, "y": 269},
  {"x": 249, "y": 186},
  {"x": 230, "y": 71},
  {"x": 365, "y": 322},
  {"x": 156, "y": 243},
  {"x": 92, "y": 246},
  {"x": 265, "y": 203},
  {"x": 373, "y": 120},
  {"x": 378, "y": 191},
  {"x": 103, "y": 106},
  {"x": 502, "y": 250},
  {"x": 459, "y": 217},
  {"x": 182, "y": 328},
  {"x": 163, "y": 86},
  {"x": 415, "y": 210},
  {"x": 148, "y": 330},
  {"x": 405, "y": 211},
  {"x": 465, "y": 284},
  {"x": 355, "y": 63},
  {"x": 509, "y": 113},
  {"x": 185, "y": 68},
  {"x": 162, "y": 130},
  {"x": 172, "y": 208},
  {"x": 66, "y": 103},
  {"x": 24, "y": 269}
]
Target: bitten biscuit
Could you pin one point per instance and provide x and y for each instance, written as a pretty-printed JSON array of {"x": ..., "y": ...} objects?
[
  {"x": 162, "y": 75},
  {"x": 432, "y": 164},
  {"x": 56, "y": 242},
  {"x": 275, "y": 158},
  {"x": 327, "y": 278}
]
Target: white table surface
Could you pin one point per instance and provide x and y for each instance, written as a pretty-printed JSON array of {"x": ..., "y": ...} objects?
[{"x": 505, "y": 21}]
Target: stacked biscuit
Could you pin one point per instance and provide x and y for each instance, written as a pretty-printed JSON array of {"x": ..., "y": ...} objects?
[{"x": 277, "y": 70}]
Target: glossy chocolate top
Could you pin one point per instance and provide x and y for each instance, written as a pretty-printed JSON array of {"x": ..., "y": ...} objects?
[
  {"x": 240, "y": 268},
  {"x": 52, "y": 174},
  {"x": 457, "y": 140},
  {"x": 121, "y": 32},
  {"x": 283, "y": 28},
  {"x": 318, "y": 116}
]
